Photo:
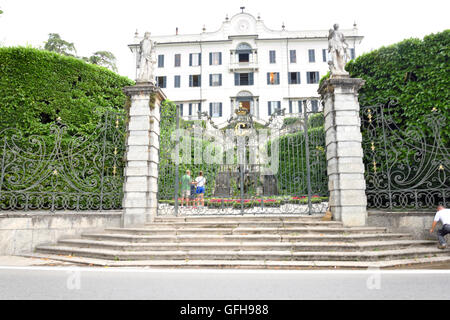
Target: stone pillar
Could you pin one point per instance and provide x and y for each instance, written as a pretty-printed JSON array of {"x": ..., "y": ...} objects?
[
  {"x": 343, "y": 139},
  {"x": 142, "y": 154}
]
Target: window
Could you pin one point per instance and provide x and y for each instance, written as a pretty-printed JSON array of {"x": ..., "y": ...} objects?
[
  {"x": 325, "y": 55},
  {"x": 195, "y": 59},
  {"x": 177, "y": 80},
  {"x": 312, "y": 77},
  {"x": 161, "y": 81},
  {"x": 299, "y": 106},
  {"x": 161, "y": 61},
  {"x": 314, "y": 106},
  {"x": 195, "y": 80},
  {"x": 272, "y": 56},
  {"x": 294, "y": 77},
  {"x": 352, "y": 53},
  {"x": 243, "y": 79},
  {"x": 273, "y": 106},
  {"x": 293, "y": 56},
  {"x": 215, "y": 80},
  {"x": 178, "y": 60},
  {"x": 194, "y": 108},
  {"x": 273, "y": 78},
  {"x": 215, "y": 58},
  {"x": 312, "y": 55},
  {"x": 244, "y": 57},
  {"x": 215, "y": 109},
  {"x": 180, "y": 106}
]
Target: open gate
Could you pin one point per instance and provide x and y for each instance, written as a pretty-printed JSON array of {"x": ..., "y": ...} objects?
[{"x": 250, "y": 166}]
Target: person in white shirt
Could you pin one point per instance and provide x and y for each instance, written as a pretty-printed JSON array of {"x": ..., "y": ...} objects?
[
  {"x": 200, "y": 183},
  {"x": 442, "y": 215}
]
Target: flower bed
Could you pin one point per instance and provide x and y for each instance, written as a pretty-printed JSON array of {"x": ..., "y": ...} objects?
[{"x": 217, "y": 203}]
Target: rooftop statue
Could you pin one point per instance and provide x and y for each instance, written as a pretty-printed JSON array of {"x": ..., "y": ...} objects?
[
  {"x": 147, "y": 59},
  {"x": 338, "y": 49}
]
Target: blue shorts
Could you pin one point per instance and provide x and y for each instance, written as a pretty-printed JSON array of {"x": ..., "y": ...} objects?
[{"x": 200, "y": 190}]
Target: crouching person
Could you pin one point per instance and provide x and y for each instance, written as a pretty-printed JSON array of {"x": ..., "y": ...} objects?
[{"x": 442, "y": 215}]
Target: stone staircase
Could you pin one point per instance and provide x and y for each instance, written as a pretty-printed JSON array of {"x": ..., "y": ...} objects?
[{"x": 277, "y": 242}]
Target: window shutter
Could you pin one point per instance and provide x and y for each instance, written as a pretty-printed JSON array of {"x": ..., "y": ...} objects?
[
  {"x": 300, "y": 109},
  {"x": 324, "y": 55},
  {"x": 210, "y": 80},
  {"x": 210, "y": 58},
  {"x": 190, "y": 81},
  {"x": 279, "y": 105},
  {"x": 162, "y": 61},
  {"x": 278, "y": 78},
  {"x": 250, "y": 79},
  {"x": 220, "y": 79},
  {"x": 164, "y": 81},
  {"x": 190, "y": 109},
  {"x": 190, "y": 59},
  {"x": 200, "y": 106},
  {"x": 290, "y": 106},
  {"x": 236, "y": 79},
  {"x": 298, "y": 78},
  {"x": 200, "y": 80},
  {"x": 199, "y": 59},
  {"x": 220, "y": 109},
  {"x": 210, "y": 109},
  {"x": 289, "y": 78},
  {"x": 317, "y": 77},
  {"x": 269, "y": 111},
  {"x": 268, "y": 77},
  {"x": 181, "y": 109},
  {"x": 220, "y": 58}
]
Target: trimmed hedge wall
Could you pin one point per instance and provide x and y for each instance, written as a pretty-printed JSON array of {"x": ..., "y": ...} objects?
[
  {"x": 38, "y": 86},
  {"x": 414, "y": 72}
]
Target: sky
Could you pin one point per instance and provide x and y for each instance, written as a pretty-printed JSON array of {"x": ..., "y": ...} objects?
[{"x": 94, "y": 25}]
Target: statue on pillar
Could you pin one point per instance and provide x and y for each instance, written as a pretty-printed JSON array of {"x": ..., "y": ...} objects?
[
  {"x": 147, "y": 59},
  {"x": 338, "y": 49}
]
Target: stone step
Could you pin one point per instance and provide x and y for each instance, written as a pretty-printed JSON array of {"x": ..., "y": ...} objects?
[
  {"x": 246, "y": 246},
  {"x": 408, "y": 253},
  {"x": 242, "y": 218},
  {"x": 247, "y": 230},
  {"x": 241, "y": 224},
  {"x": 247, "y": 264},
  {"x": 246, "y": 238}
]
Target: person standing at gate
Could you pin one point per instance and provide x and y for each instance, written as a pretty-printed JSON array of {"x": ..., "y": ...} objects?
[
  {"x": 186, "y": 181},
  {"x": 200, "y": 182},
  {"x": 442, "y": 215}
]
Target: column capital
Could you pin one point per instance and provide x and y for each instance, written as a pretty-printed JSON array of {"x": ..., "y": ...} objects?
[
  {"x": 345, "y": 83},
  {"x": 144, "y": 88}
]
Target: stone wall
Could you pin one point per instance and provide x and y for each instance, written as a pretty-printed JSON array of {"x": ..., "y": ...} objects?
[
  {"x": 418, "y": 223},
  {"x": 21, "y": 232}
]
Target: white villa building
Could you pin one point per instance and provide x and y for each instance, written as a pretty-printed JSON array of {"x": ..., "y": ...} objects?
[{"x": 246, "y": 64}]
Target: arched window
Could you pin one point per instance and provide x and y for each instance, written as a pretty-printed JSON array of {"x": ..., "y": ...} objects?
[{"x": 243, "y": 51}]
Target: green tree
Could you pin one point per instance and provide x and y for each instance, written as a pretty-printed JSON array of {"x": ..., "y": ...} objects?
[
  {"x": 103, "y": 58},
  {"x": 58, "y": 45}
]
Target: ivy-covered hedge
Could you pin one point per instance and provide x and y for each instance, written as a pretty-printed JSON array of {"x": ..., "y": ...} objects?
[
  {"x": 38, "y": 86},
  {"x": 414, "y": 72},
  {"x": 65, "y": 147}
]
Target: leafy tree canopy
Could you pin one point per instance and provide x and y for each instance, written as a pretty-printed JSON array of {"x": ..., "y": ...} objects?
[{"x": 58, "y": 45}]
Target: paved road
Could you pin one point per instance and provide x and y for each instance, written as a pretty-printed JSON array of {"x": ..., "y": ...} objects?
[{"x": 104, "y": 283}]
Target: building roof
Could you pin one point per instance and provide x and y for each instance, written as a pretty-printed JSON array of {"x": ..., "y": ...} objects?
[{"x": 244, "y": 24}]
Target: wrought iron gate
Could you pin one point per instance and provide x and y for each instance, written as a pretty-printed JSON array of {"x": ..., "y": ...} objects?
[
  {"x": 58, "y": 171},
  {"x": 292, "y": 180},
  {"x": 407, "y": 166}
]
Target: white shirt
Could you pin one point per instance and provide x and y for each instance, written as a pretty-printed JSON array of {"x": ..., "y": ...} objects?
[
  {"x": 200, "y": 181},
  {"x": 443, "y": 215}
]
